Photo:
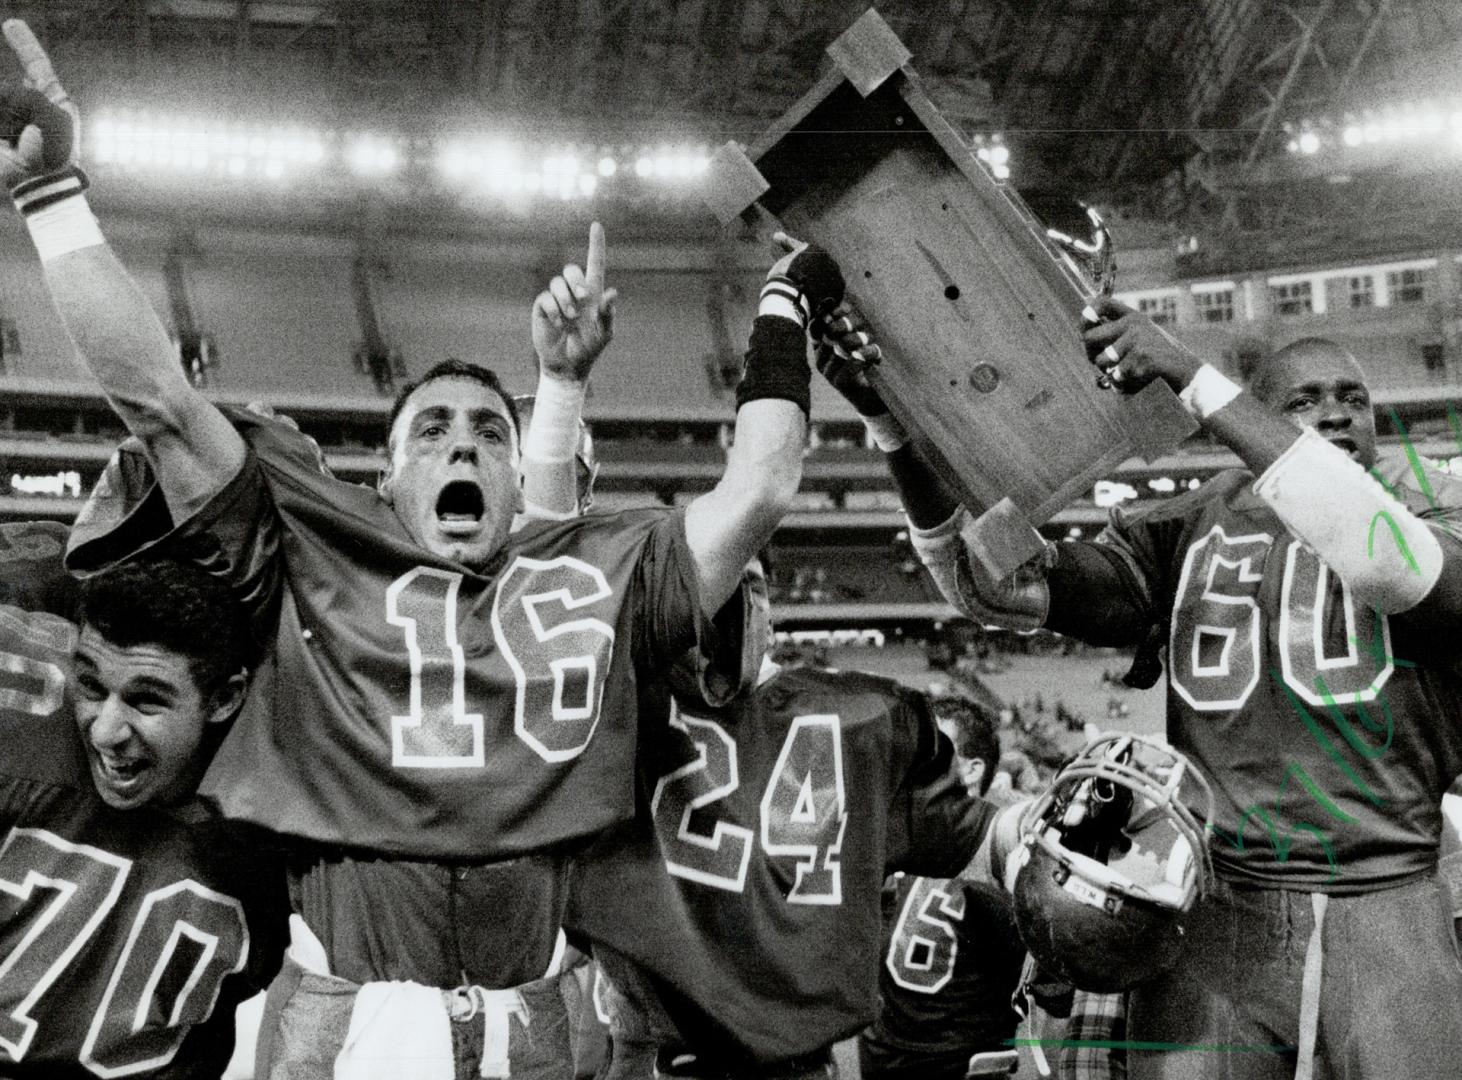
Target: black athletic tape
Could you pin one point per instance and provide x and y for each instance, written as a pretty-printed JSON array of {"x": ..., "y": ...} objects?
[
  {"x": 776, "y": 364},
  {"x": 39, "y": 192},
  {"x": 816, "y": 273}
]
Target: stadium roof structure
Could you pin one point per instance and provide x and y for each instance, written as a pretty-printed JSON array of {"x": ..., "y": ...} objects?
[{"x": 1177, "y": 111}]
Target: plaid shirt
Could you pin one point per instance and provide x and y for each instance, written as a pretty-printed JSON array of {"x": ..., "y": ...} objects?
[{"x": 1099, "y": 1018}]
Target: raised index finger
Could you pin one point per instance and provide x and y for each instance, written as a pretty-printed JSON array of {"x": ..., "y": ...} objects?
[
  {"x": 594, "y": 264},
  {"x": 38, "y": 70}
]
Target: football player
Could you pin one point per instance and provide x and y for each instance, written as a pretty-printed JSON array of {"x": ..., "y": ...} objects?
[
  {"x": 444, "y": 707},
  {"x": 738, "y": 921},
  {"x": 132, "y": 918},
  {"x": 1310, "y": 604},
  {"x": 952, "y": 955}
]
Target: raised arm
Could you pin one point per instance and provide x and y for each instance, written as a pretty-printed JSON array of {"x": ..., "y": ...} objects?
[
  {"x": 728, "y": 525},
  {"x": 573, "y": 322},
  {"x": 1089, "y": 591},
  {"x": 1392, "y": 559},
  {"x": 193, "y": 448}
]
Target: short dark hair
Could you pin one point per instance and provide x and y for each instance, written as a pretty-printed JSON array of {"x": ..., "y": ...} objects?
[
  {"x": 1259, "y": 369},
  {"x": 452, "y": 368},
  {"x": 975, "y": 734},
  {"x": 174, "y": 606}
]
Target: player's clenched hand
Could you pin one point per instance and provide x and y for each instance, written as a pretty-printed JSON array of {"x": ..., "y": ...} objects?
[
  {"x": 1133, "y": 350},
  {"x": 39, "y": 126},
  {"x": 573, "y": 319},
  {"x": 844, "y": 351},
  {"x": 812, "y": 272}
]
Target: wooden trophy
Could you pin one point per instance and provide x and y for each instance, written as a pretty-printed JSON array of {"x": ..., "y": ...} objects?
[{"x": 979, "y": 315}]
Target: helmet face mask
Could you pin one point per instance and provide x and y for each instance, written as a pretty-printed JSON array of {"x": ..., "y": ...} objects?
[
  {"x": 1114, "y": 858},
  {"x": 1078, "y": 239}
]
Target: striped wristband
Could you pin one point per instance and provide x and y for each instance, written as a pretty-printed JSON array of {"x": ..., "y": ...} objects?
[
  {"x": 56, "y": 212},
  {"x": 781, "y": 296}
]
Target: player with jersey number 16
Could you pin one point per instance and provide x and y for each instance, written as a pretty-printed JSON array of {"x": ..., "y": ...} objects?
[
  {"x": 1310, "y": 604},
  {"x": 446, "y": 706}
]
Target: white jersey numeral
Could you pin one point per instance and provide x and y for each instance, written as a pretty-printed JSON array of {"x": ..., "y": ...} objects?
[
  {"x": 183, "y": 942},
  {"x": 803, "y": 810}
]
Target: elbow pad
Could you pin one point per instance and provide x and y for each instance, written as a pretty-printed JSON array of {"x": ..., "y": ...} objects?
[
  {"x": 1387, "y": 555},
  {"x": 1019, "y": 602}
]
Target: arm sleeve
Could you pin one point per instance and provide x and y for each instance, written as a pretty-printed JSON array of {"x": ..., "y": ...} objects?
[
  {"x": 1436, "y": 498},
  {"x": 1098, "y": 595},
  {"x": 942, "y": 825},
  {"x": 671, "y": 620},
  {"x": 234, "y": 535},
  {"x": 1112, "y": 590}
]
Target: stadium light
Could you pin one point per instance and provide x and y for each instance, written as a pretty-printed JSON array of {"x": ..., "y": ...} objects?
[
  {"x": 140, "y": 140},
  {"x": 372, "y": 155},
  {"x": 189, "y": 144}
]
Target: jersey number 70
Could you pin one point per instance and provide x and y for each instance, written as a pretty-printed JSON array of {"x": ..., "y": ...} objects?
[{"x": 183, "y": 942}]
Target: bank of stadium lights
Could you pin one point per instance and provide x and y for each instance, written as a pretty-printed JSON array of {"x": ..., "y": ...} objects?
[
  {"x": 1415, "y": 123},
  {"x": 187, "y": 145},
  {"x": 372, "y": 155},
  {"x": 507, "y": 167},
  {"x": 497, "y": 166}
]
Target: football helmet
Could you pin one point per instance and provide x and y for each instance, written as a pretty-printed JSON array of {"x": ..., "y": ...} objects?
[
  {"x": 1079, "y": 240},
  {"x": 1112, "y": 857}
]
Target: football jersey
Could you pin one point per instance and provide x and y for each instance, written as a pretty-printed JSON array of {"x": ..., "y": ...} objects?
[
  {"x": 433, "y": 738},
  {"x": 127, "y": 937},
  {"x": 951, "y": 962},
  {"x": 1326, "y": 729},
  {"x": 748, "y": 891},
  {"x": 409, "y": 705}
]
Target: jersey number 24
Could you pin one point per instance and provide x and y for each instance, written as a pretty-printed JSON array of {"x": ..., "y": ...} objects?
[{"x": 803, "y": 809}]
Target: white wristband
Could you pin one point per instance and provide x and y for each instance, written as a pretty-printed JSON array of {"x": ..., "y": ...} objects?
[
  {"x": 886, "y": 432},
  {"x": 66, "y": 226},
  {"x": 776, "y": 304},
  {"x": 553, "y": 434},
  {"x": 1209, "y": 391}
]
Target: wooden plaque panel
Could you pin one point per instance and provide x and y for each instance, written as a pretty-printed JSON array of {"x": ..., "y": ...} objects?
[{"x": 979, "y": 321}]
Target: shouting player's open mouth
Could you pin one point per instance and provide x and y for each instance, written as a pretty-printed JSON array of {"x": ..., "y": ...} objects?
[
  {"x": 124, "y": 777},
  {"x": 460, "y": 508},
  {"x": 1349, "y": 445}
]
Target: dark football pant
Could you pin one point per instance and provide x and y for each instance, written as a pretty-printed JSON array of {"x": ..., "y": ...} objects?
[{"x": 1389, "y": 989}]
